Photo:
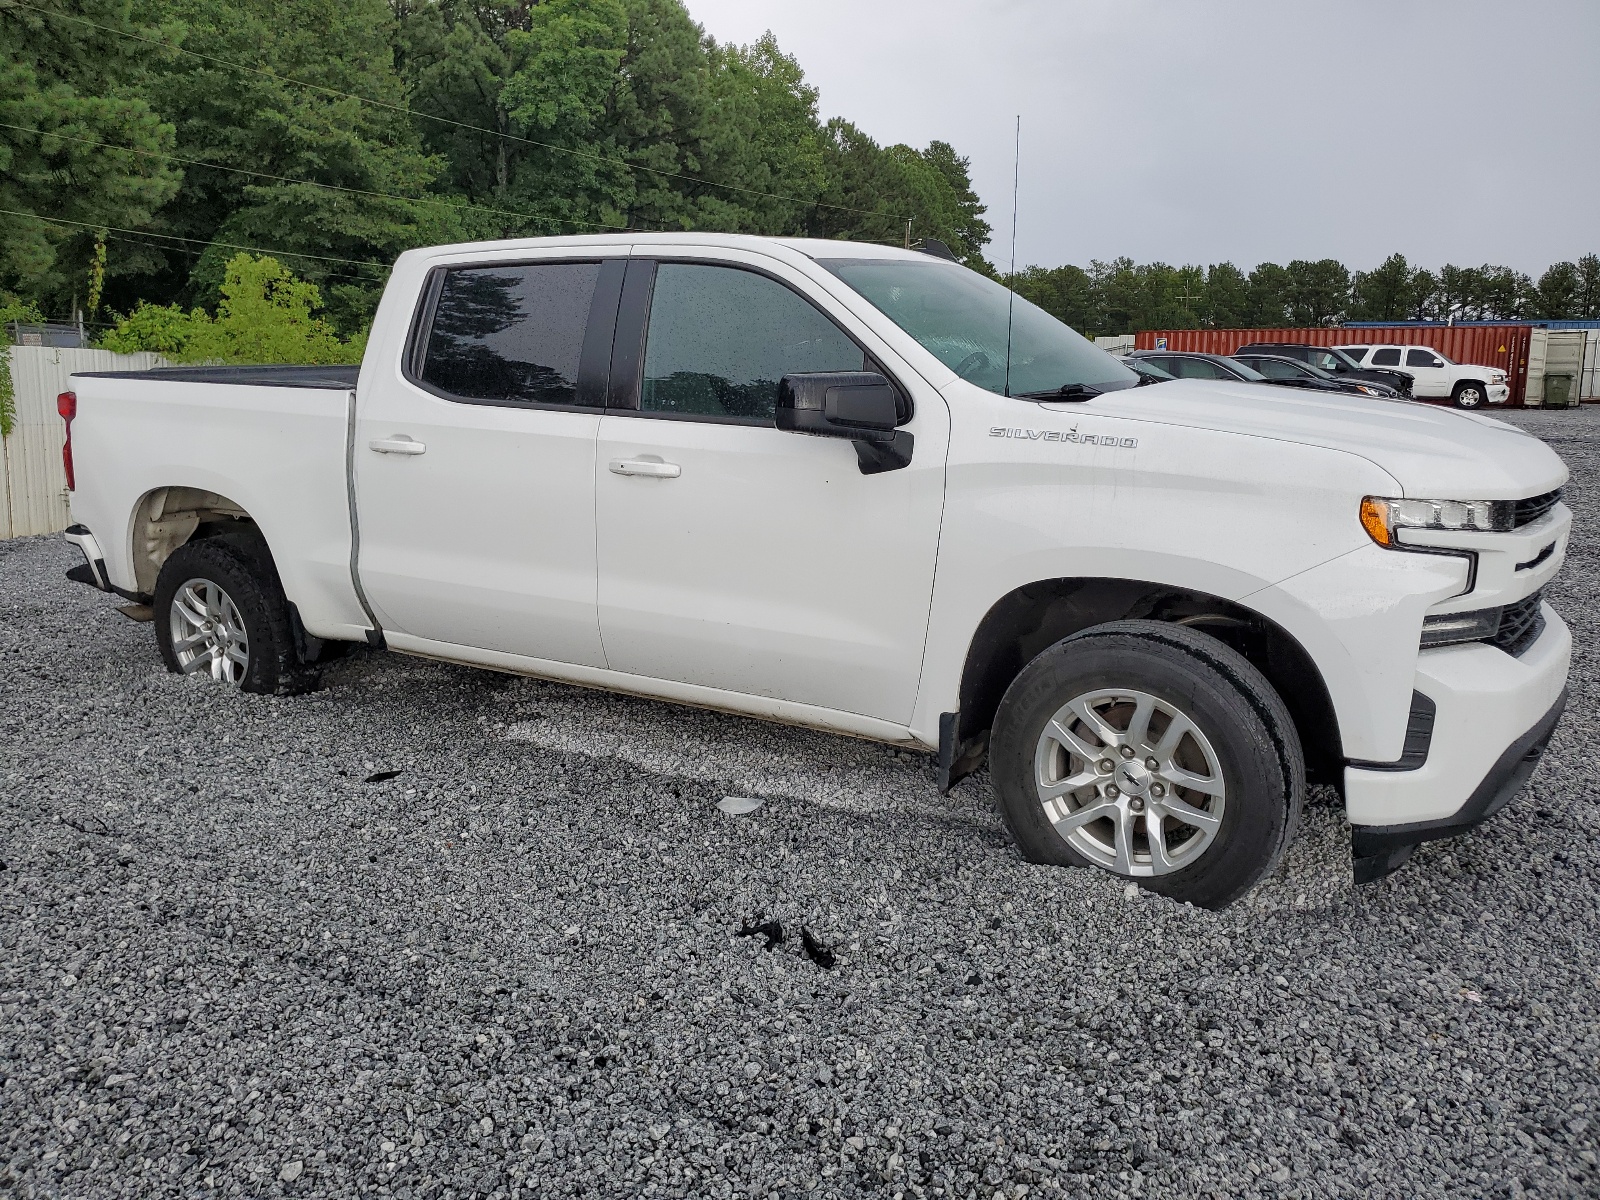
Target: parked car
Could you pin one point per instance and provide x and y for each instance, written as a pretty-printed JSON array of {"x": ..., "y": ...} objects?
[
  {"x": 1186, "y": 364},
  {"x": 1293, "y": 373},
  {"x": 864, "y": 489},
  {"x": 1467, "y": 385},
  {"x": 1147, "y": 371},
  {"x": 1332, "y": 361}
]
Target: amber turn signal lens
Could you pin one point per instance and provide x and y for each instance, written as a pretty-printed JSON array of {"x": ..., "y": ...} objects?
[{"x": 1375, "y": 520}]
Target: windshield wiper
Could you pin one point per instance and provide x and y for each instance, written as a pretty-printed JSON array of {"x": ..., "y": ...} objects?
[{"x": 1067, "y": 391}]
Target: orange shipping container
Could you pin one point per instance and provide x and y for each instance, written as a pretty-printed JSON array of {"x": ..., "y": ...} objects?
[{"x": 1503, "y": 346}]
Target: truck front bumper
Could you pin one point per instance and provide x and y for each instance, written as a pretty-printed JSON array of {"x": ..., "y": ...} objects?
[
  {"x": 1499, "y": 393},
  {"x": 1493, "y": 716}
]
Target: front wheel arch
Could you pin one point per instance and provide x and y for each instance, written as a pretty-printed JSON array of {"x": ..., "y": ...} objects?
[{"x": 1030, "y": 618}]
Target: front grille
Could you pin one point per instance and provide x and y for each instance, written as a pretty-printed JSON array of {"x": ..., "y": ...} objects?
[
  {"x": 1526, "y": 512},
  {"x": 1520, "y": 626}
]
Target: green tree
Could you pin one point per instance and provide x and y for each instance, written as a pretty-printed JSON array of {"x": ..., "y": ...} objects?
[
  {"x": 81, "y": 86},
  {"x": 1268, "y": 297},
  {"x": 959, "y": 212},
  {"x": 1556, "y": 295},
  {"x": 1316, "y": 293},
  {"x": 454, "y": 57},
  {"x": 1226, "y": 302},
  {"x": 351, "y": 155},
  {"x": 1424, "y": 296},
  {"x": 1386, "y": 293},
  {"x": 766, "y": 135},
  {"x": 265, "y": 314},
  {"x": 12, "y": 308},
  {"x": 1587, "y": 300}
]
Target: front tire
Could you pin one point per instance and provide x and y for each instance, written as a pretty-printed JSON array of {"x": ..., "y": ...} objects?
[
  {"x": 220, "y": 611},
  {"x": 1469, "y": 395},
  {"x": 1154, "y": 753}
]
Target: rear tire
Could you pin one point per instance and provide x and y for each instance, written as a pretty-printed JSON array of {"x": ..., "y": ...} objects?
[
  {"x": 1220, "y": 803},
  {"x": 1469, "y": 395},
  {"x": 220, "y": 610}
]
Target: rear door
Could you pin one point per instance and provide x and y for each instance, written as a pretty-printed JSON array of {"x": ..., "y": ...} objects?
[
  {"x": 474, "y": 463},
  {"x": 738, "y": 556}
]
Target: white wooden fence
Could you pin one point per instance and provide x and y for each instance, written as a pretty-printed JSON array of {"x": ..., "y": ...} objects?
[{"x": 33, "y": 483}]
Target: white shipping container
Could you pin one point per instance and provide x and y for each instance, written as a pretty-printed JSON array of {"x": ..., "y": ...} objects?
[{"x": 33, "y": 482}]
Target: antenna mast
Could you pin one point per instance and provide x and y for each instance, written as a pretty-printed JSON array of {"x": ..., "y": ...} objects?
[{"x": 1011, "y": 278}]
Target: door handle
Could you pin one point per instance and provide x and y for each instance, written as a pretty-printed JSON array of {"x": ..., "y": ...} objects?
[
  {"x": 397, "y": 445},
  {"x": 650, "y": 468}
]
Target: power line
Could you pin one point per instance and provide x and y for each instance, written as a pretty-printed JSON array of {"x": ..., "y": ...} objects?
[
  {"x": 135, "y": 241},
  {"x": 90, "y": 225},
  {"x": 196, "y": 162},
  {"x": 410, "y": 112}
]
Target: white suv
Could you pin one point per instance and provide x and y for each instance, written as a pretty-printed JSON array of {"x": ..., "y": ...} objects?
[{"x": 1468, "y": 385}]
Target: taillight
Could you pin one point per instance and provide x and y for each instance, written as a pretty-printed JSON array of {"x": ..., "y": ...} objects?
[{"x": 67, "y": 406}]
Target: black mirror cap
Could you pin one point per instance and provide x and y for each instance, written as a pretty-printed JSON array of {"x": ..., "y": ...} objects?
[
  {"x": 860, "y": 405},
  {"x": 936, "y": 248}
]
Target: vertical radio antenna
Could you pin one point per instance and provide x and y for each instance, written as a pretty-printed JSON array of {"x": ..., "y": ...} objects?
[{"x": 1011, "y": 278}]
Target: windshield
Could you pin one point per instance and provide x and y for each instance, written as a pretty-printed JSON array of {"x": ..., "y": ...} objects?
[{"x": 960, "y": 317}]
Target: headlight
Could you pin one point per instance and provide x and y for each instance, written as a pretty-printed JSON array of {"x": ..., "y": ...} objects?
[
  {"x": 1370, "y": 391},
  {"x": 1382, "y": 517}
]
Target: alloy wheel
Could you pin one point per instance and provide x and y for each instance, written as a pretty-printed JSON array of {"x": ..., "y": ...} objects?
[
  {"x": 1130, "y": 781},
  {"x": 208, "y": 633}
]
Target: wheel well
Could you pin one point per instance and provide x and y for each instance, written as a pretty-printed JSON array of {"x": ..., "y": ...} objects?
[
  {"x": 1027, "y": 621},
  {"x": 171, "y": 517}
]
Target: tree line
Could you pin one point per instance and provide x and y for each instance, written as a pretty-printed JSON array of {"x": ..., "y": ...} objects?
[
  {"x": 145, "y": 143},
  {"x": 1124, "y": 297}
]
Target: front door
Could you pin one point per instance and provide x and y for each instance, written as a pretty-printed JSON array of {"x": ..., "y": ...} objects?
[
  {"x": 741, "y": 557},
  {"x": 1433, "y": 378},
  {"x": 474, "y": 462}
]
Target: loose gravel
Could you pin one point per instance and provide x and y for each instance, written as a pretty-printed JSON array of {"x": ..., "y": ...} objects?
[{"x": 433, "y": 932}]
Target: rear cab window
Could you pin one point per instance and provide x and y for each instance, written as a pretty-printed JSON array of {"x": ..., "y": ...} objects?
[{"x": 508, "y": 334}]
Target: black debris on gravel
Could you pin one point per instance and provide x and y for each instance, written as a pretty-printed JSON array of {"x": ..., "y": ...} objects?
[
  {"x": 817, "y": 951},
  {"x": 518, "y": 973},
  {"x": 382, "y": 776},
  {"x": 770, "y": 932}
]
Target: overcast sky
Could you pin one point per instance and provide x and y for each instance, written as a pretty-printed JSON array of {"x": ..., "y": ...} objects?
[{"x": 1463, "y": 131}]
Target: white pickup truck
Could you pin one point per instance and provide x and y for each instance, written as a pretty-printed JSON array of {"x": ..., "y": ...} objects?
[
  {"x": 1435, "y": 377},
  {"x": 857, "y": 488}
]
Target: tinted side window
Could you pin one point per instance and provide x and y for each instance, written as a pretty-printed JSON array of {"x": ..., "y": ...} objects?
[
  {"x": 512, "y": 333},
  {"x": 1275, "y": 368},
  {"x": 1328, "y": 362},
  {"x": 1421, "y": 358},
  {"x": 1386, "y": 358},
  {"x": 720, "y": 339},
  {"x": 1198, "y": 368}
]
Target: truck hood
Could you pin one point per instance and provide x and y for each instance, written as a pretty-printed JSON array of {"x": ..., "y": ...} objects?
[{"x": 1433, "y": 453}]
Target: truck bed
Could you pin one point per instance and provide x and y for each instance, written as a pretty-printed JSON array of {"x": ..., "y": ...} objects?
[{"x": 153, "y": 448}]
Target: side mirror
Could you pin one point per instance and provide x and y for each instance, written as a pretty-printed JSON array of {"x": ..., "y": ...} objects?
[{"x": 857, "y": 405}]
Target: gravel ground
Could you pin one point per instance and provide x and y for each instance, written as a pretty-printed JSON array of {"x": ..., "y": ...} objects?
[{"x": 537, "y": 960}]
